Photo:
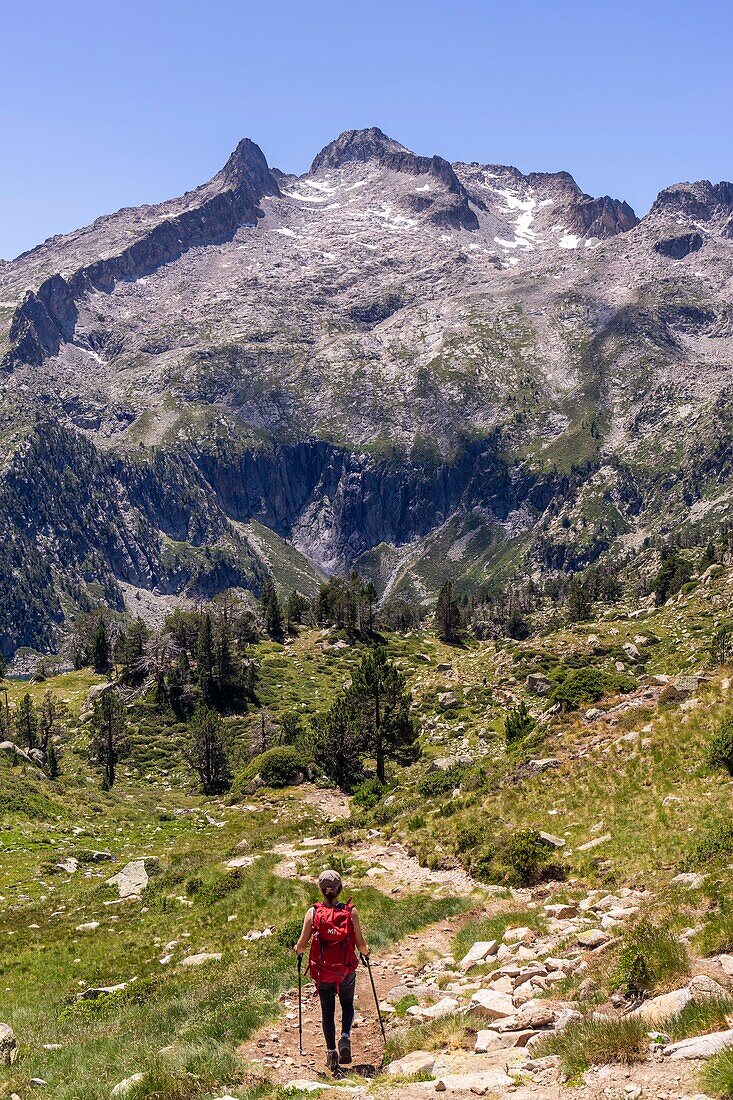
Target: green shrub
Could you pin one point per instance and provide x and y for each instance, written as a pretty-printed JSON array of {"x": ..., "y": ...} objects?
[
  {"x": 518, "y": 723},
  {"x": 416, "y": 821},
  {"x": 720, "y": 749},
  {"x": 716, "y": 935},
  {"x": 651, "y": 956},
  {"x": 369, "y": 794},
  {"x": 287, "y": 934},
  {"x": 714, "y": 845},
  {"x": 439, "y": 782},
  {"x": 519, "y": 858},
  {"x": 588, "y": 685},
  {"x": 469, "y": 835},
  {"x": 279, "y": 766}
]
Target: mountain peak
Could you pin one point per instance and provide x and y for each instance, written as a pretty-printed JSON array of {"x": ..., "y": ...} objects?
[
  {"x": 700, "y": 200},
  {"x": 247, "y": 166},
  {"x": 356, "y": 145}
]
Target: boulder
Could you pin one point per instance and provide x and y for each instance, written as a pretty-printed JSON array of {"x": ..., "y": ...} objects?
[
  {"x": 201, "y": 958},
  {"x": 12, "y": 749},
  {"x": 667, "y": 1004},
  {"x": 702, "y": 986},
  {"x": 124, "y": 1087},
  {"x": 535, "y": 1014},
  {"x": 8, "y": 1045},
  {"x": 561, "y": 912},
  {"x": 419, "y": 1061},
  {"x": 593, "y": 937},
  {"x": 133, "y": 878},
  {"x": 69, "y": 865},
  {"x": 554, "y": 842},
  {"x": 690, "y": 879},
  {"x": 700, "y": 1046},
  {"x": 517, "y": 935},
  {"x": 90, "y": 926},
  {"x": 595, "y": 843},
  {"x": 91, "y": 855},
  {"x": 446, "y": 1006},
  {"x": 240, "y": 861},
  {"x": 490, "y": 1080},
  {"x": 447, "y": 700},
  {"x": 94, "y": 992},
  {"x": 480, "y": 951},
  {"x": 492, "y": 1005},
  {"x": 537, "y": 684},
  {"x": 726, "y": 964}
]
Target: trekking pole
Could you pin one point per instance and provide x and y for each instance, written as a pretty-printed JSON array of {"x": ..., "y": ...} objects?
[
  {"x": 300, "y": 1003},
  {"x": 365, "y": 961}
]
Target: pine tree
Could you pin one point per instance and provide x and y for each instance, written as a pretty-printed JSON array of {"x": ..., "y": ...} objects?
[
  {"x": 109, "y": 735},
  {"x": 207, "y": 752},
  {"x": 338, "y": 744},
  {"x": 380, "y": 698},
  {"x": 271, "y": 613},
  {"x": 99, "y": 650},
  {"x": 228, "y": 685},
  {"x": 447, "y": 614},
  {"x": 205, "y": 660},
  {"x": 50, "y": 714},
  {"x": 52, "y": 761},
  {"x": 26, "y": 722}
]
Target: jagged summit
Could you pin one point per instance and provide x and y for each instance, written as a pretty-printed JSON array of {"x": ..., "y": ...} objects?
[
  {"x": 356, "y": 145},
  {"x": 701, "y": 200},
  {"x": 248, "y": 166}
]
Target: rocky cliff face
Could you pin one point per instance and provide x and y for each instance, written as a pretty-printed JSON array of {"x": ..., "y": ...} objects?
[{"x": 418, "y": 368}]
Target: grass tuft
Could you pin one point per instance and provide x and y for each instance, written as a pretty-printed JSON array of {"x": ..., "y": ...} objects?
[
  {"x": 717, "y": 1075},
  {"x": 588, "y": 1042}
]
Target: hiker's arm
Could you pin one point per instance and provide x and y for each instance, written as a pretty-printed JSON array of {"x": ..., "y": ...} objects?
[
  {"x": 361, "y": 943},
  {"x": 305, "y": 934}
]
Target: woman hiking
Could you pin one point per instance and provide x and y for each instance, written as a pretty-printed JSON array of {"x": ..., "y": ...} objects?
[{"x": 335, "y": 935}]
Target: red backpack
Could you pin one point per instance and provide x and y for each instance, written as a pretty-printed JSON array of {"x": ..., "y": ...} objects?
[{"x": 333, "y": 946}]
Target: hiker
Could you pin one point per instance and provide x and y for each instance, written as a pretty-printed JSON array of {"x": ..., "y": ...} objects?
[{"x": 335, "y": 935}]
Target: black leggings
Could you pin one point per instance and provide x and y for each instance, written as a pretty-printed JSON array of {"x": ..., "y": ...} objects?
[{"x": 327, "y": 994}]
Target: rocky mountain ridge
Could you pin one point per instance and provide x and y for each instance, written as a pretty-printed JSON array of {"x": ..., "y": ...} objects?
[{"x": 413, "y": 368}]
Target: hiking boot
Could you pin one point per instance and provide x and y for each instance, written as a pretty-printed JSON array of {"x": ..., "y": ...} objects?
[
  {"x": 344, "y": 1050},
  {"x": 332, "y": 1060}
]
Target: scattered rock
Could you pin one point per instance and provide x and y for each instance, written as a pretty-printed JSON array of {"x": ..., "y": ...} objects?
[
  {"x": 480, "y": 951},
  {"x": 518, "y": 935},
  {"x": 700, "y": 1046},
  {"x": 134, "y": 877},
  {"x": 477, "y": 1083},
  {"x": 537, "y": 684},
  {"x": 690, "y": 879},
  {"x": 124, "y": 1086},
  {"x": 492, "y": 1005},
  {"x": 595, "y": 843},
  {"x": 90, "y": 926},
  {"x": 419, "y": 1061},
  {"x": 561, "y": 912},
  {"x": 554, "y": 841},
  {"x": 667, "y": 1004},
  {"x": 201, "y": 958},
  {"x": 446, "y": 1006},
  {"x": 702, "y": 986},
  {"x": 8, "y": 1045},
  {"x": 594, "y": 937},
  {"x": 91, "y": 855}
]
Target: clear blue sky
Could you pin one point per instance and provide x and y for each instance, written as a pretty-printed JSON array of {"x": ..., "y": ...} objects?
[{"x": 109, "y": 103}]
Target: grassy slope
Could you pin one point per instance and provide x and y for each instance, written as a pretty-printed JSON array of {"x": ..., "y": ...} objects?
[{"x": 204, "y": 1013}]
